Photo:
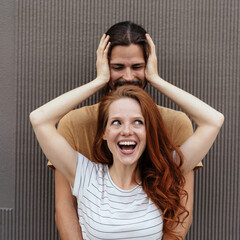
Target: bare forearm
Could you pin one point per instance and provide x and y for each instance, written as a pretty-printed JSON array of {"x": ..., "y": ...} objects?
[
  {"x": 53, "y": 111},
  {"x": 66, "y": 210},
  {"x": 182, "y": 229},
  {"x": 200, "y": 112},
  {"x": 67, "y": 224}
]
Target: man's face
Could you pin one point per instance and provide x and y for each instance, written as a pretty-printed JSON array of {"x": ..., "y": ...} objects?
[{"x": 127, "y": 64}]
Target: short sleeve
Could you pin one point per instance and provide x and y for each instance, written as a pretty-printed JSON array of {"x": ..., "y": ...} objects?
[
  {"x": 183, "y": 129},
  {"x": 178, "y": 125},
  {"x": 65, "y": 129},
  {"x": 83, "y": 174}
]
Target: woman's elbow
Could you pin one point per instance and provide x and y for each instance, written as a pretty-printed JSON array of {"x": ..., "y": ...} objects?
[
  {"x": 219, "y": 120},
  {"x": 36, "y": 117},
  {"x": 33, "y": 118}
]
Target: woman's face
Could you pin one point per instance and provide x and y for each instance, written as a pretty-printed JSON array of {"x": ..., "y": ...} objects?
[{"x": 125, "y": 132}]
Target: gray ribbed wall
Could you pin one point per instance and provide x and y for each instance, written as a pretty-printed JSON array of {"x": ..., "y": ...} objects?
[{"x": 198, "y": 47}]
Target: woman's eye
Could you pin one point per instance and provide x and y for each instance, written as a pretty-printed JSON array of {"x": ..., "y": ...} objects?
[
  {"x": 139, "y": 122},
  {"x": 116, "y": 122}
]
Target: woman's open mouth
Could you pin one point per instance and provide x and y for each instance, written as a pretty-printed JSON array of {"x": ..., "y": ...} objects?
[{"x": 127, "y": 147}]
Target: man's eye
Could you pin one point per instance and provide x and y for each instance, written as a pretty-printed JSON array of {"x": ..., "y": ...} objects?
[
  {"x": 116, "y": 122},
  {"x": 137, "y": 67},
  {"x": 117, "y": 68}
]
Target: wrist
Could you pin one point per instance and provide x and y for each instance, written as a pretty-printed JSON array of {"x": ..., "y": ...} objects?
[
  {"x": 154, "y": 79},
  {"x": 100, "y": 81},
  {"x": 103, "y": 79}
]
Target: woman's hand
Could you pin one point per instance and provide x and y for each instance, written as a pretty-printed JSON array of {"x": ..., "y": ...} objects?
[
  {"x": 151, "y": 70},
  {"x": 103, "y": 71}
]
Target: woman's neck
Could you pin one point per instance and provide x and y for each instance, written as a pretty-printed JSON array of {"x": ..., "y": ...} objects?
[{"x": 124, "y": 177}]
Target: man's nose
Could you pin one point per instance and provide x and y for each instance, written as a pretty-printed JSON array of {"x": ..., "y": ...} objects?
[{"x": 128, "y": 75}]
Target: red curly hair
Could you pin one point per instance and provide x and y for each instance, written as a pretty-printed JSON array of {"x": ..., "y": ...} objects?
[{"x": 162, "y": 179}]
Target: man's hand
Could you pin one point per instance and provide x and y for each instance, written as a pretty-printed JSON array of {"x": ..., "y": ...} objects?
[
  {"x": 103, "y": 71},
  {"x": 151, "y": 70}
]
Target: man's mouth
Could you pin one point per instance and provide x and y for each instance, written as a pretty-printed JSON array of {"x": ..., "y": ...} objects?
[{"x": 121, "y": 82}]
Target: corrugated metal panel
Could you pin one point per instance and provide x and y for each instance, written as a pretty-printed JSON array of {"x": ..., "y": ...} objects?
[
  {"x": 6, "y": 223},
  {"x": 198, "y": 47}
]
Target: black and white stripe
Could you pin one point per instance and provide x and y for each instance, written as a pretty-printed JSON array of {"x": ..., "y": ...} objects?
[{"x": 108, "y": 212}]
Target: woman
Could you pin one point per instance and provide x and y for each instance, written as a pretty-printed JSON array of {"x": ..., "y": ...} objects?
[{"x": 138, "y": 158}]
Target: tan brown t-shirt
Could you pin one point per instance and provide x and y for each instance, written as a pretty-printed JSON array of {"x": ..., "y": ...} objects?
[{"x": 79, "y": 127}]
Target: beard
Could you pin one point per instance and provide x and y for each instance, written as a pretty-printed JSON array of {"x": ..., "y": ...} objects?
[
  {"x": 136, "y": 82},
  {"x": 120, "y": 82}
]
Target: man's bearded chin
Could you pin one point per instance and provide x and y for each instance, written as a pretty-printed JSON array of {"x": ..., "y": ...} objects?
[{"x": 136, "y": 82}]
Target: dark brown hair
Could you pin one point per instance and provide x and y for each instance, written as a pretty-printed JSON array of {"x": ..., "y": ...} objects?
[
  {"x": 127, "y": 33},
  {"x": 161, "y": 177}
]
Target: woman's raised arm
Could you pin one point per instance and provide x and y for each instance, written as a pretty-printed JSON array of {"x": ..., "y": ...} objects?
[
  {"x": 44, "y": 118},
  {"x": 208, "y": 120}
]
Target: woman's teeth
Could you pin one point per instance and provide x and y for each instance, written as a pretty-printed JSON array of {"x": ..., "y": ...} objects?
[{"x": 127, "y": 145}]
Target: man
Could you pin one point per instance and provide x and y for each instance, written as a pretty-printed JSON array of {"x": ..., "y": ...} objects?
[{"x": 128, "y": 54}]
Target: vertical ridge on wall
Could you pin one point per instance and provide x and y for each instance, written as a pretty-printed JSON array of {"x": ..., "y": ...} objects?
[
  {"x": 6, "y": 220},
  {"x": 197, "y": 44}
]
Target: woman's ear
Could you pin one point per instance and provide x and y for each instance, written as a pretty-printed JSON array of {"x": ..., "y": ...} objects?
[{"x": 104, "y": 136}]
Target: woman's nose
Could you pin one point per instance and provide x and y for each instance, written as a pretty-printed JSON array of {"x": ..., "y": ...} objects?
[{"x": 126, "y": 130}]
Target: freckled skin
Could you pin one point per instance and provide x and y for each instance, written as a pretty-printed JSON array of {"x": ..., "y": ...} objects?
[{"x": 125, "y": 123}]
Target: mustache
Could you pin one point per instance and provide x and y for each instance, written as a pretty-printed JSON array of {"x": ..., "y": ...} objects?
[{"x": 121, "y": 82}]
